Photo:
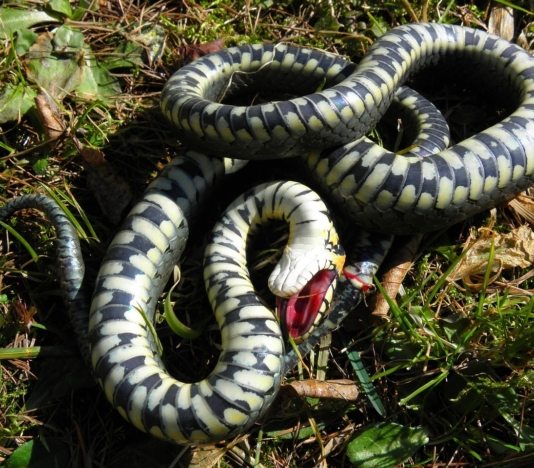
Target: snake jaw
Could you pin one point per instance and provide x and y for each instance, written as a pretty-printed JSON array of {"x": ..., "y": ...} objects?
[
  {"x": 297, "y": 267},
  {"x": 298, "y": 312}
]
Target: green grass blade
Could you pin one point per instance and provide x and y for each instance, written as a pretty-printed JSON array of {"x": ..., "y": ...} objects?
[
  {"x": 404, "y": 323},
  {"x": 81, "y": 212},
  {"x": 485, "y": 281},
  {"x": 432, "y": 383},
  {"x": 441, "y": 281},
  {"x": 81, "y": 233},
  {"x": 21, "y": 239},
  {"x": 152, "y": 329},
  {"x": 35, "y": 351},
  {"x": 446, "y": 11},
  {"x": 363, "y": 377},
  {"x": 181, "y": 329},
  {"x": 516, "y": 7}
]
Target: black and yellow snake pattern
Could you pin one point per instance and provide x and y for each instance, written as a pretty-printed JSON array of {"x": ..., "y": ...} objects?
[
  {"x": 248, "y": 373},
  {"x": 377, "y": 189}
]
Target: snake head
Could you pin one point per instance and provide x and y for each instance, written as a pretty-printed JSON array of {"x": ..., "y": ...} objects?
[
  {"x": 300, "y": 312},
  {"x": 303, "y": 281},
  {"x": 298, "y": 265}
]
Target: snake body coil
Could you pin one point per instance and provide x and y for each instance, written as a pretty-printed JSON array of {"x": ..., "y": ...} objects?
[
  {"x": 379, "y": 190},
  {"x": 132, "y": 276}
]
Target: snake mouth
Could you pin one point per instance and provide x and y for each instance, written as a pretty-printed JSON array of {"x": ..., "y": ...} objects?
[{"x": 298, "y": 313}]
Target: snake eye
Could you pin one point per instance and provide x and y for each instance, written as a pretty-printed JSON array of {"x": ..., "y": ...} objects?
[{"x": 299, "y": 312}]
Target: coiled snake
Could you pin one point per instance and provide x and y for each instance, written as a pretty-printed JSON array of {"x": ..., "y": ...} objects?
[{"x": 377, "y": 189}]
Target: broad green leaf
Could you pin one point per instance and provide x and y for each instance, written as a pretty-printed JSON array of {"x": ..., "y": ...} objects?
[
  {"x": 12, "y": 20},
  {"x": 126, "y": 55},
  {"x": 463, "y": 398},
  {"x": 97, "y": 82},
  {"x": 57, "y": 72},
  {"x": 67, "y": 39},
  {"x": 455, "y": 327},
  {"x": 83, "y": 6},
  {"x": 523, "y": 432},
  {"x": 379, "y": 27},
  {"x": 62, "y": 63},
  {"x": 401, "y": 349},
  {"x": 327, "y": 23},
  {"x": 40, "y": 165},
  {"x": 15, "y": 101},
  {"x": 153, "y": 39},
  {"x": 143, "y": 48},
  {"x": 502, "y": 398},
  {"x": 49, "y": 453},
  {"x": 25, "y": 39},
  {"x": 61, "y": 6},
  {"x": 385, "y": 445}
]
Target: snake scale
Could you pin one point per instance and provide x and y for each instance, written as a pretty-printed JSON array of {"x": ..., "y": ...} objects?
[{"x": 377, "y": 189}]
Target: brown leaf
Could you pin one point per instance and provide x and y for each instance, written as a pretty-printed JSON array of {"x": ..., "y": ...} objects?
[
  {"x": 399, "y": 265},
  {"x": 50, "y": 116},
  {"x": 343, "y": 389},
  {"x": 515, "y": 249},
  {"x": 523, "y": 205},
  {"x": 24, "y": 316},
  {"x": 206, "y": 457},
  {"x": 501, "y": 21},
  {"x": 194, "y": 51},
  {"x": 91, "y": 156}
]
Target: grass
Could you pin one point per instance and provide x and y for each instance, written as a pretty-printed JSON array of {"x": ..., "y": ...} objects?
[{"x": 453, "y": 364}]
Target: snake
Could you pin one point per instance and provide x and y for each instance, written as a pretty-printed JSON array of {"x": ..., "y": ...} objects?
[{"x": 375, "y": 188}]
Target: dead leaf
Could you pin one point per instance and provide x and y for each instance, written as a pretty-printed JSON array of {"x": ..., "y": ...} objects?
[
  {"x": 523, "y": 205},
  {"x": 194, "y": 51},
  {"x": 501, "y": 21},
  {"x": 396, "y": 267},
  {"x": 515, "y": 249},
  {"x": 24, "y": 316},
  {"x": 343, "y": 389},
  {"x": 206, "y": 457},
  {"x": 90, "y": 155},
  {"x": 50, "y": 116}
]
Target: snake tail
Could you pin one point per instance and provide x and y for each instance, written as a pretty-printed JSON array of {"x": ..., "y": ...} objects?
[{"x": 71, "y": 265}]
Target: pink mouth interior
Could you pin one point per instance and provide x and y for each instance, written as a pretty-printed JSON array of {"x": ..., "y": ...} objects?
[{"x": 298, "y": 313}]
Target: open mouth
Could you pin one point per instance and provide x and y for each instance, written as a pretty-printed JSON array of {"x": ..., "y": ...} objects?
[{"x": 298, "y": 313}]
